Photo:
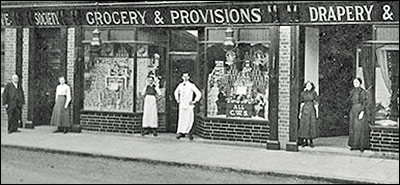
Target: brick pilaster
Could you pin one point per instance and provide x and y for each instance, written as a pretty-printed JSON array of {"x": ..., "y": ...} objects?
[
  {"x": 25, "y": 74},
  {"x": 10, "y": 55},
  {"x": 71, "y": 57},
  {"x": 284, "y": 85}
]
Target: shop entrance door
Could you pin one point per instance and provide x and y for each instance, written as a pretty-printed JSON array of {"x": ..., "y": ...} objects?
[
  {"x": 179, "y": 63},
  {"x": 47, "y": 64}
]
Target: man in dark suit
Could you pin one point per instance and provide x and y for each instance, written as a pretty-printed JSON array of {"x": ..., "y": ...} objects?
[{"x": 13, "y": 99}]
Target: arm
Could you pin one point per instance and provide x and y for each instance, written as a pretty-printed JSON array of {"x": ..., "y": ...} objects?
[
  {"x": 363, "y": 99},
  {"x": 68, "y": 100},
  {"x": 316, "y": 100},
  {"x": 6, "y": 93},
  {"x": 177, "y": 93},
  {"x": 144, "y": 91},
  {"x": 158, "y": 90},
  {"x": 197, "y": 92},
  {"x": 301, "y": 105}
]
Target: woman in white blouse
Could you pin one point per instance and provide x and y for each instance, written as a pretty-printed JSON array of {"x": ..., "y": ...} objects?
[{"x": 61, "y": 111}]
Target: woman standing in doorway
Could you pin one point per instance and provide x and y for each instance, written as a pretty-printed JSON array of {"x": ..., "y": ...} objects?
[
  {"x": 150, "y": 117},
  {"x": 359, "y": 128},
  {"x": 308, "y": 115},
  {"x": 61, "y": 111}
]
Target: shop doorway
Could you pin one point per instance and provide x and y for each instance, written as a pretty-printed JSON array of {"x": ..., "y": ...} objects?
[
  {"x": 330, "y": 63},
  {"x": 183, "y": 58},
  {"x": 48, "y": 62}
]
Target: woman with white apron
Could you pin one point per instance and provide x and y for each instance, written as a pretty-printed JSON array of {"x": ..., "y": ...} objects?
[{"x": 150, "y": 117}]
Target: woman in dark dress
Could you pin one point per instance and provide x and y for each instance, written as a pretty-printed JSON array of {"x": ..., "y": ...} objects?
[
  {"x": 308, "y": 115},
  {"x": 359, "y": 128}
]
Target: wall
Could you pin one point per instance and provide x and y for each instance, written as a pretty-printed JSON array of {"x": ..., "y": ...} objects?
[
  {"x": 311, "y": 71},
  {"x": 232, "y": 130},
  {"x": 116, "y": 122},
  {"x": 384, "y": 139}
]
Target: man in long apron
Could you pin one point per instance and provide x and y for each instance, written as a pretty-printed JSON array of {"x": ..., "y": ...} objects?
[{"x": 184, "y": 96}]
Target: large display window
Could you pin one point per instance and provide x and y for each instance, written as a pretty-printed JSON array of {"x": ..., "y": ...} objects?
[
  {"x": 238, "y": 79},
  {"x": 116, "y": 72}
]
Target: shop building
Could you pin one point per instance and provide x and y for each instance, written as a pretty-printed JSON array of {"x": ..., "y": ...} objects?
[{"x": 250, "y": 59}]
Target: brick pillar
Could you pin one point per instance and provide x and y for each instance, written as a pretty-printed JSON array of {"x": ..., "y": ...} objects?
[
  {"x": 25, "y": 75},
  {"x": 10, "y": 55},
  {"x": 284, "y": 85},
  {"x": 71, "y": 57}
]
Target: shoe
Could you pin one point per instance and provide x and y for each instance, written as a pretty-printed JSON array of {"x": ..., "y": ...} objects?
[
  {"x": 190, "y": 137},
  {"x": 57, "y": 131},
  {"x": 311, "y": 145},
  {"x": 178, "y": 136},
  {"x": 142, "y": 133},
  {"x": 362, "y": 150},
  {"x": 65, "y": 131},
  {"x": 155, "y": 133}
]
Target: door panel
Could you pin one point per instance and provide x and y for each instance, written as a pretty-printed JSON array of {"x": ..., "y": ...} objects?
[
  {"x": 47, "y": 65},
  {"x": 183, "y": 62}
]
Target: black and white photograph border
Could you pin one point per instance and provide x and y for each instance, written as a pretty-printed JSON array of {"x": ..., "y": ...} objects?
[{"x": 198, "y": 103}]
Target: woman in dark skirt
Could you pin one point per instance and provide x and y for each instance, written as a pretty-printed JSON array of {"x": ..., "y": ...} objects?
[
  {"x": 61, "y": 111},
  {"x": 308, "y": 115},
  {"x": 359, "y": 128}
]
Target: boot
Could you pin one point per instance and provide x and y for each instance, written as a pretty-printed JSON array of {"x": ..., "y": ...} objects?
[
  {"x": 311, "y": 143},
  {"x": 155, "y": 132},
  {"x": 305, "y": 143}
]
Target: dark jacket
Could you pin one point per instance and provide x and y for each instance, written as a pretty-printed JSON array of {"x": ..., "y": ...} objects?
[{"x": 14, "y": 97}]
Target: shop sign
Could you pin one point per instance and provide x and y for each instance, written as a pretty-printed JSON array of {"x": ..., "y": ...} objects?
[
  {"x": 45, "y": 18},
  {"x": 342, "y": 12},
  {"x": 239, "y": 110},
  {"x": 358, "y": 12}
]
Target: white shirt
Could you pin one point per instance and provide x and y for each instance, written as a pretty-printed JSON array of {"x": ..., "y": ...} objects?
[
  {"x": 184, "y": 94},
  {"x": 64, "y": 90}
]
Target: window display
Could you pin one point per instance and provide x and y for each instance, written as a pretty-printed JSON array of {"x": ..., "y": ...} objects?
[
  {"x": 109, "y": 85},
  {"x": 238, "y": 81}
]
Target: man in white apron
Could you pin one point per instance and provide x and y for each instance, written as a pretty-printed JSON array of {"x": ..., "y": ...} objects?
[{"x": 184, "y": 96}]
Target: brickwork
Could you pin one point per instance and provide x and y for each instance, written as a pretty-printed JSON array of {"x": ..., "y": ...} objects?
[
  {"x": 284, "y": 86},
  {"x": 384, "y": 139},
  {"x": 25, "y": 71},
  {"x": 71, "y": 57},
  {"x": 232, "y": 130},
  {"x": 10, "y": 55},
  {"x": 116, "y": 122}
]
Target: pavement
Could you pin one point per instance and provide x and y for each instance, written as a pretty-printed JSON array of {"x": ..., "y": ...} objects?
[{"x": 318, "y": 163}]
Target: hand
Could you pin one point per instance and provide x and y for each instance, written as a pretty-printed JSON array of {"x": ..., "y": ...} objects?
[
  {"x": 361, "y": 115},
  {"x": 192, "y": 103},
  {"x": 177, "y": 101},
  {"x": 6, "y": 106},
  {"x": 300, "y": 116},
  {"x": 66, "y": 107}
]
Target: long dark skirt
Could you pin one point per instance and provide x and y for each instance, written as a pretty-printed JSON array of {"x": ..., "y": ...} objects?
[
  {"x": 308, "y": 123},
  {"x": 61, "y": 115},
  {"x": 358, "y": 129}
]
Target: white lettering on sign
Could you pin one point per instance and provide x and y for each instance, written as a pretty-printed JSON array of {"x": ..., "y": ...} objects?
[
  {"x": 218, "y": 16},
  {"x": 341, "y": 13},
  {"x": 116, "y": 18},
  {"x": 5, "y": 20},
  {"x": 46, "y": 19}
]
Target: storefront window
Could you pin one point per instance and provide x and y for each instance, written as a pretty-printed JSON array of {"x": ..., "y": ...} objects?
[
  {"x": 383, "y": 87},
  {"x": 116, "y": 74},
  {"x": 387, "y": 86},
  {"x": 238, "y": 80}
]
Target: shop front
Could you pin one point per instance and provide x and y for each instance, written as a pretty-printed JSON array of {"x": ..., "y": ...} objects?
[{"x": 250, "y": 61}]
